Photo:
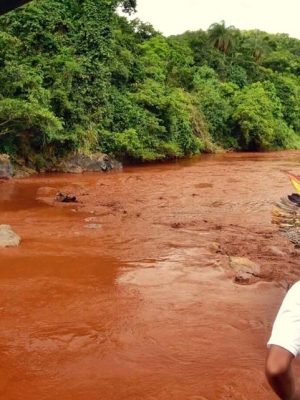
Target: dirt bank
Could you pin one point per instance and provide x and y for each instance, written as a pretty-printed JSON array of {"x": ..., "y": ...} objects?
[{"x": 129, "y": 294}]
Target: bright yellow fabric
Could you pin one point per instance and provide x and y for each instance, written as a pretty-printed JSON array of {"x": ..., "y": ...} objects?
[{"x": 295, "y": 182}]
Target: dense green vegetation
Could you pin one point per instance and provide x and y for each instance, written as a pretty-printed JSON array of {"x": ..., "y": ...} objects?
[{"x": 75, "y": 75}]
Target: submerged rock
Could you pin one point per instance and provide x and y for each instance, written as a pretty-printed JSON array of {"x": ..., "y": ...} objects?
[
  {"x": 97, "y": 162},
  {"x": 8, "y": 238},
  {"x": 246, "y": 271},
  {"x": 6, "y": 168},
  {"x": 65, "y": 197}
]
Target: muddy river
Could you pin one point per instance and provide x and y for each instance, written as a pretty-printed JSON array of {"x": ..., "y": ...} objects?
[{"x": 129, "y": 295}]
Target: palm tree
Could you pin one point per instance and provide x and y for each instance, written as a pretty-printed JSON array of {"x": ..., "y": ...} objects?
[
  {"x": 257, "y": 46},
  {"x": 222, "y": 37}
]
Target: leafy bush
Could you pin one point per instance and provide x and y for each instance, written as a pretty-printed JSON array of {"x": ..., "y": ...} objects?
[{"x": 258, "y": 119}]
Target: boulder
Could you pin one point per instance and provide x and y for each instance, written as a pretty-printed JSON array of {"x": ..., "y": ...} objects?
[
  {"x": 6, "y": 168},
  {"x": 245, "y": 270},
  {"x": 97, "y": 162},
  {"x": 8, "y": 238}
]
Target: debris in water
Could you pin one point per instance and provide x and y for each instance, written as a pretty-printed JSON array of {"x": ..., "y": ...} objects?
[{"x": 286, "y": 213}]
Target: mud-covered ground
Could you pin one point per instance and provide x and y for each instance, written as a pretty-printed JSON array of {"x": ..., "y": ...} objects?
[{"x": 129, "y": 294}]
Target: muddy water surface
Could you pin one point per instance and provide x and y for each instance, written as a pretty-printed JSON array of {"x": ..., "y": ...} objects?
[{"x": 128, "y": 294}]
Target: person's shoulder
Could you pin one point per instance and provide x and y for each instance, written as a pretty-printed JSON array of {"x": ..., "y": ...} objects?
[{"x": 295, "y": 287}]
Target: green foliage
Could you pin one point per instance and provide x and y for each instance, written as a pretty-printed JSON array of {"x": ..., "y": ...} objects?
[
  {"x": 213, "y": 99},
  {"x": 125, "y": 144},
  {"x": 180, "y": 64},
  {"x": 288, "y": 91},
  {"x": 75, "y": 75},
  {"x": 237, "y": 75},
  {"x": 258, "y": 119},
  {"x": 282, "y": 61},
  {"x": 221, "y": 37},
  {"x": 17, "y": 116}
]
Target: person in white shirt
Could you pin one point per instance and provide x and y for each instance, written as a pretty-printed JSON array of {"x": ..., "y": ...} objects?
[{"x": 284, "y": 346}]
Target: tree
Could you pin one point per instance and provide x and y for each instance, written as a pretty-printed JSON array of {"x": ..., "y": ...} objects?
[
  {"x": 213, "y": 102},
  {"x": 288, "y": 91},
  {"x": 255, "y": 44},
  {"x": 221, "y": 37},
  {"x": 258, "y": 119},
  {"x": 77, "y": 76}
]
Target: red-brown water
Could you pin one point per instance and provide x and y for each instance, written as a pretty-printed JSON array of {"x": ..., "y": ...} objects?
[{"x": 128, "y": 294}]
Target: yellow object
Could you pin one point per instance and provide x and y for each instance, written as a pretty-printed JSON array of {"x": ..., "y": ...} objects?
[{"x": 295, "y": 182}]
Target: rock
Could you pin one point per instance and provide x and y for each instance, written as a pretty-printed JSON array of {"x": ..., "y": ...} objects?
[
  {"x": 65, "y": 197},
  {"x": 97, "y": 162},
  {"x": 245, "y": 270},
  {"x": 244, "y": 278},
  {"x": 8, "y": 238},
  {"x": 73, "y": 169},
  {"x": 6, "y": 168},
  {"x": 24, "y": 172}
]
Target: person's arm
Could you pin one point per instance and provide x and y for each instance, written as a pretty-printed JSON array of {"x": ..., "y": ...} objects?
[{"x": 279, "y": 373}]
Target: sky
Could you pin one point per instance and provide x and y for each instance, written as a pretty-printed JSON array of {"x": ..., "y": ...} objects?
[{"x": 177, "y": 16}]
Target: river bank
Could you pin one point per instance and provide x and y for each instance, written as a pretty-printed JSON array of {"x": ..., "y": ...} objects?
[
  {"x": 76, "y": 163},
  {"x": 129, "y": 294}
]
